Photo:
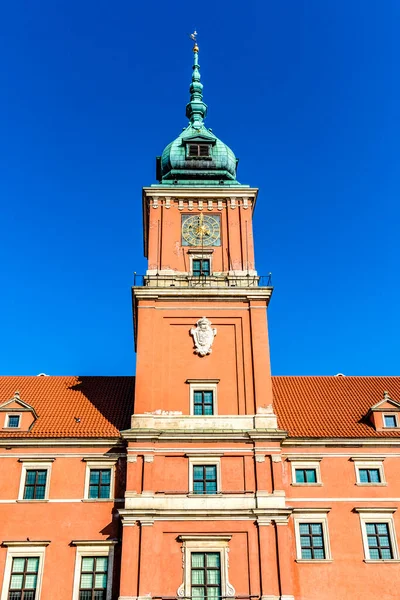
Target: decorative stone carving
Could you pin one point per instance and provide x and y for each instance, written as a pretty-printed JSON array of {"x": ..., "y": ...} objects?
[
  {"x": 180, "y": 592},
  {"x": 203, "y": 336}
]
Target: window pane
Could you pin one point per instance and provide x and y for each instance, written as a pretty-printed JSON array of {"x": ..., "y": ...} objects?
[
  {"x": 213, "y": 576},
  {"x": 317, "y": 542},
  {"x": 316, "y": 528},
  {"x": 104, "y": 491},
  {"x": 106, "y": 476},
  {"x": 300, "y": 476},
  {"x": 197, "y": 559},
  {"x": 41, "y": 477},
  {"x": 303, "y": 528},
  {"x": 101, "y": 563},
  {"x": 208, "y": 397},
  {"x": 213, "y": 592},
  {"x": 208, "y": 409},
  {"x": 382, "y": 528},
  {"x": 30, "y": 582},
  {"x": 197, "y": 577},
  {"x": 87, "y": 564},
  {"x": 363, "y": 474},
  {"x": 198, "y": 487},
  {"x": 94, "y": 476},
  {"x": 372, "y": 541},
  {"x": 374, "y": 475},
  {"x": 16, "y": 582},
  {"x": 28, "y": 493},
  {"x": 370, "y": 527},
  {"x": 211, "y": 472},
  {"x": 32, "y": 565},
  {"x": 85, "y": 595},
  {"x": 86, "y": 580},
  {"x": 39, "y": 493},
  {"x": 198, "y": 592},
  {"x": 18, "y": 565},
  {"x": 311, "y": 476},
  {"x": 211, "y": 487},
  {"x": 319, "y": 554},
  {"x": 387, "y": 554},
  {"x": 305, "y": 541},
  {"x": 374, "y": 554},
  {"x": 13, "y": 421},
  {"x": 198, "y": 409},
  {"x": 100, "y": 580},
  {"x": 390, "y": 421},
  {"x": 213, "y": 559},
  {"x": 197, "y": 472},
  {"x": 306, "y": 553},
  {"x": 30, "y": 477},
  {"x": 93, "y": 491}
]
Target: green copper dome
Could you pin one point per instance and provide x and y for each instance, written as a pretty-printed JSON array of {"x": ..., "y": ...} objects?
[{"x": 197, "y": 156}]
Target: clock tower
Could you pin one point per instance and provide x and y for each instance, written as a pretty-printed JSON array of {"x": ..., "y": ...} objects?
[{"x": 204, "y": 486}]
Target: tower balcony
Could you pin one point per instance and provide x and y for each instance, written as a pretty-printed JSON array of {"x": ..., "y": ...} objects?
[{"x": 216, "y": 281}]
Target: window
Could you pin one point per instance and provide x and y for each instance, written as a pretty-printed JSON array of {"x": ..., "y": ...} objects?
[
  {"x": 93, "y": 570},
  {"x": 198, "y": 150},
  {"x": 379, "y": 541},
  {"x": 379, "y": 538},
  {"x": 13, "y": 421},
  {"x": 23, "y": 570},
  {"x": 204, "y": 479},
  {"x": 93, "y": 583},
  {"x": 204, "y": 475},
  {"x": 201, "y": 266},
  {"x": 203, "y": 402},
  {"x": 35, "y": 484},
  {"x": 369, "y": 476},
  {"x": 390, "y": 421},
  {"x": 205, "y": 567},
  {"x": 23, "y": 580},
  {"x": 206, "y": 575},
  {"x": 311, "y": 541},
  {"x": 305, "y": 471},
  {"x": 99, "y": 479},
  {"x": 99, "y": 483},
  {"x": 312, "y": 538},
  {"x": 306, "y": 475},
  {"x": 203, "y": 397},
  {"x": 369, "y": 472}
]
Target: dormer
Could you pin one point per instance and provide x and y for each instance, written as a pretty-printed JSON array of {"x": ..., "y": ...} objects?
[
  {"x": 198, "y": 147},
  {"x": 16, "y": 415},
  {"x": 385, "y": 415}
]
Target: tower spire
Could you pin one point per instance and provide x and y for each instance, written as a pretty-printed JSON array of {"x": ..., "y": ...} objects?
[{"x": 196, "y": 109}]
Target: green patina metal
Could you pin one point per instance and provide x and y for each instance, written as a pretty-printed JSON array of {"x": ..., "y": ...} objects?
[{"x": 176, "y": 167}]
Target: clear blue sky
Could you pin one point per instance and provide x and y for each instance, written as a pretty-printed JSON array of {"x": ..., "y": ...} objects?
[{"x": 305, "y": 92}]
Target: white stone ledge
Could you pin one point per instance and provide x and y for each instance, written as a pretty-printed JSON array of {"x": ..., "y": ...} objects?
[
  {"x": 191, "y": 423},
  {"x": 190, "y": 502}
]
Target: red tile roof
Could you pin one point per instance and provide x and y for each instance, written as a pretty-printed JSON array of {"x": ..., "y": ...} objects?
[
  {"x": 306, "y": 406},
  {"x": 331, "y": 406},
  {"x": 103, "y": 405}
]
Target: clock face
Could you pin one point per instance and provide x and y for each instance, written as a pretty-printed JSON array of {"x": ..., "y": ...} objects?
[{"x": 201, "y": 230}]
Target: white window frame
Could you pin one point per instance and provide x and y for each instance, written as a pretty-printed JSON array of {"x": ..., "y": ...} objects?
[
  {"x": 359, "y": 463},
  {"x": 7, "y": 421},
  {"x": 98, "y": 549},
  {"x": 102, "y": 463},
  {"x": 390, "y": 415},
  {"x": 206, "y": 461},
  {"x": 33, "y": 464},
  {"x": 312, "y": 516},
  {"x": 21, "y": 550},
  {"x": 306, "y": 464},
  {"x": 378, "y": 515},
  {"x": 205, "y": 543},
  {"x": 203, "y": 385}
]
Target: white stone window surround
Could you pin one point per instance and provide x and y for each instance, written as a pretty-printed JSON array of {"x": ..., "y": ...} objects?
[
  {"x": 100, "y": 463},
  {"x": 23, "y": 550},
  {"x": 7, "y": 420},
  {"x": 312, "y": 515},
  {"x": 369, "y": 463},
  {"x": 205, "y": 254},
  {"x": 378, "y": 515},
  {"x": 203, "y": 385},
  {"x": 305, "y": 463},
  {"x": 206, "y": 460},
  {"x": 205, "y": 543},
  {"x": 34, "y": 464},
  {"x": 97, "y": 548},
  {"x": 390, "y": 414}
]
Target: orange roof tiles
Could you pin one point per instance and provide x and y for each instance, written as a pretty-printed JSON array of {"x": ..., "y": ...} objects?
[
  {"x": 103, "y": 405},
  {"x": 306, "y": 406},
  {"x": 331, "y": 406}
]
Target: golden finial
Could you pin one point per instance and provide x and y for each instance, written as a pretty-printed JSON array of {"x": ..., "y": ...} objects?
[{"x": 193, "y": 36}]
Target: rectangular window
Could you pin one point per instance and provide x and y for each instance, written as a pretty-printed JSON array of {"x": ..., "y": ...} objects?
[
  {"x": 23, "y": 581},
  {"x": 93, "y": 581},
  {"x": 206, "y": 575},
  {"x": 13, "y": 421},
  {"x": 204, "y": 479},
  {"x": 306, "y": 475},
  {"x": 379, "y": 544},
  {"x": 196, "y": 150},
  {"x": 203, "y": 402},
  {"x": 390, "y": 421},
  {"x": 201, "y": 266},
  {"x": 99, "y": 483},
  {"x": 369, "y": 475},
  {"x": 35, "y": 484},
  {"x": 312, "y": 541}
]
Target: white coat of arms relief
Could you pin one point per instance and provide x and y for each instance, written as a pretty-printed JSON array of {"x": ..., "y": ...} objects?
[{"x": 203, "y": 336}]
